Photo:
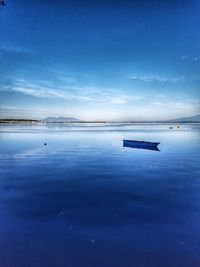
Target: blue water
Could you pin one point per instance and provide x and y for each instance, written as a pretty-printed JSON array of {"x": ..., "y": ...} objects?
[{"x": 84, "y": 201}]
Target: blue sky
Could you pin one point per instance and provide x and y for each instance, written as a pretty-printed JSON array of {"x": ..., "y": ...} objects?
[{"x": 100, "y": 60}]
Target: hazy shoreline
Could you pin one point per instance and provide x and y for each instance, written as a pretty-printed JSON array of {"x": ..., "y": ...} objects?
[{"x": 35, "y": 122}]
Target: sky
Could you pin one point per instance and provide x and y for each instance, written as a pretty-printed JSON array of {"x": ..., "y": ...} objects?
[{"x": 100, "y": 60}]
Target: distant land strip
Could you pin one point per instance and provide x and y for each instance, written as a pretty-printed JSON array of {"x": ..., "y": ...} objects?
[{"x": 33, "y": 121}]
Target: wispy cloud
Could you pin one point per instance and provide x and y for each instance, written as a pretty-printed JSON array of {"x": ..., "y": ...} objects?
[
  {"x": 184, "y": 57},
  {"x": 191, "y": 106},
  {"x": 47, "y": 89},
  {"x": 148, "y": 78},
  {"x": 16, "y": 50},
  {"x": 196, "y": 58},
  {"x": 92, "y": 102},
  {"x": 164, "y": 79},
  {"x": 118, "y": 101},
  {"x": 12, "y": 110}
]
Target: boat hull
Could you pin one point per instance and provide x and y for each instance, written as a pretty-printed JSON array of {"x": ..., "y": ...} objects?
[{"x": 141, "y": 144}]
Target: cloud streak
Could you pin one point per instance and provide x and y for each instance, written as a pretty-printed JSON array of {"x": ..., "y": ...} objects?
[
  {"x": 197, "y": 58},
  {"x": 92, "y": 102},
  {"x": 163, "y": 79},
  {"x": 16, "y": 50},
  {"x": 91, "y": 94},
  {"x": 35, "y": 90},
  {"x": 118, "y": 101}
]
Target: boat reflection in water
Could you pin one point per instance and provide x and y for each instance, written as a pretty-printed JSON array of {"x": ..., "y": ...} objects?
[{"x": 141, "y": 144}]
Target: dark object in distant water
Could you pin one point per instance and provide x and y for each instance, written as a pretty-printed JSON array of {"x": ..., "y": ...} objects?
[
  {"x": 2, "y": 2},
  {"x": 170, "y": 128},
  {"x": 45, "y": 144},
  {"x": 141, "y": 144}
]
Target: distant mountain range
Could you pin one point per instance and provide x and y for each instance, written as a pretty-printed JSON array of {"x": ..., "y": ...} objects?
[
  {"x": 195, "y": 118},
  {"x": 59, "y": 119}
]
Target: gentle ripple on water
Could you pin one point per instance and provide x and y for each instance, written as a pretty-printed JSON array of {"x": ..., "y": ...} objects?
[{"x": 83, "y": 200}]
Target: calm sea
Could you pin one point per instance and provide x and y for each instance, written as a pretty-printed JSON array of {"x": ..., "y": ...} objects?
[{"x": 84, "y": 201}]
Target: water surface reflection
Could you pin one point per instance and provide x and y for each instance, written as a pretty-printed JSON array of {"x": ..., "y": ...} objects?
[{"x": 84, "y": 201}]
